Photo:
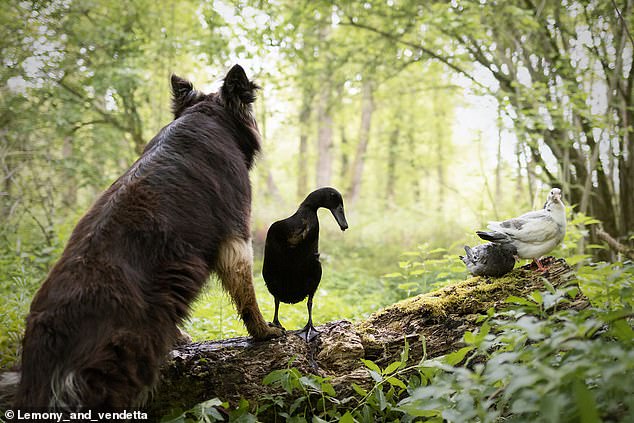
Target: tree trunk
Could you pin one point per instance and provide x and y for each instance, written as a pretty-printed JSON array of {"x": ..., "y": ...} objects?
[
  {"x": 271, "y": 191},
  {"x": 367, "y": 108},
  {"x": 345, "y": 155},
  {"x": 234, "y": 368},
  {"x": 416, "y": 168},
  {"x": 324, "y": 137},
  {"x": 439, "y": 134},
  {"x": 498, "y": 157},
  {"x": 70, "y": 181},
  {"x": 302, "y": 156},
  {"x": 391, "y": 167},
  {"x": 6, "y": 173}
]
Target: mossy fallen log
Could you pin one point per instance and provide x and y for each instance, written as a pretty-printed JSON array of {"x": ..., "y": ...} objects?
[{"x": 234, "y": 368}]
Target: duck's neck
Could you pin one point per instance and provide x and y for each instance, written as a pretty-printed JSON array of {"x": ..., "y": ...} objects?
[{"x": 307, "y": 204}]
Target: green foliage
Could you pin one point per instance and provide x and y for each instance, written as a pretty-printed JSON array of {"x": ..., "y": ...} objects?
[
  {"x": 15, "y": 298},
  {"x": 532, "y": 360},
  {"x": 424, "y": 270},
  {"x": 609, "y": 285}
]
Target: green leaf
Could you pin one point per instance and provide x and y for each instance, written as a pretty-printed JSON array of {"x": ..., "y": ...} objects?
[
  {"x": 328, "y": 389},
  {"x": 404, "y": 354},
  {"x": 408, "y": 286},
  {"x": 457, "y": 356},
  {"x": 585, "y": 403},
  {"x": 537, "y": 297},
  {"x": 392, "y": 368},
  {"x": 394, "y": 381},
  {"x": 371, "y": 365},
  {"x": 423, "y": 341},
  {"x": 415, "y": 411},
  {"x": 346, "y": 418},
  {"x": 359, "y": 390},
  {"x": 310, "y": 382},
  {"x": 381, "y": 400},
  {"x": 512, "y": 299}
]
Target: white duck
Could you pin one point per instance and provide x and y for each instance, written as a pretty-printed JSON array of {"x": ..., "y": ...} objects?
[{"x": 535, "y": 233}]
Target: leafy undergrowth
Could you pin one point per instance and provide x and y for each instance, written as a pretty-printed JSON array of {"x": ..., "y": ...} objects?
[{"x": 531, "y": 361}]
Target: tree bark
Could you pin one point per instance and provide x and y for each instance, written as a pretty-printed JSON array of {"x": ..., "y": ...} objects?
[
  {"x": 302, "y": 156},
  {"x": 234, "y": 368},
  {"x": 367, "y": 108},
  {"x": 390, "y": 183},
  {"x": 324, "y": 137},
  {"x": 70, "y": 184}
]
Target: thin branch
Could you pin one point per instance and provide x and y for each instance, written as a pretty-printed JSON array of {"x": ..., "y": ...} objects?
[
  {"x": 107, "y": 116},
  {"x": 627, "y": 31},
  {"x": 428, "y": 52},
  {"x": 614, "y": 244}
]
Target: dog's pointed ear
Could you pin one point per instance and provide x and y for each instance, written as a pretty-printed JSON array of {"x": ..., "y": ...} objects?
[
  {"x": 237, "y": 91},
  {"x": 180, "y": 87},
  {"x": 183, "y": 95}
]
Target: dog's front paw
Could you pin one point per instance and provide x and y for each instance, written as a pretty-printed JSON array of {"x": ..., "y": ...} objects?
[
  {"x": 183, "y": 338},
  {"x": 277, "y": 325},
  {"x": 269, "y": 332}
]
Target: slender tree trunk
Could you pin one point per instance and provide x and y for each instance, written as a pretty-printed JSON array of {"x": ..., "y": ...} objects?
[
  {"x": 626, "y": 177},
  {"x": 302, "y": 156},
  {"x": 416, "y": 168},
  {"x": 439, "y": 134},
  {"x": 271, "y": 190},
  {"x": 345, "y": 155},
  {"x": 367, "y": 108},
  {"x": 498, "y": 167},
  {"x": 324, "y": 137},
  {"x": 518, "y": 177},
  {"x": 70, "y": 181},
  {"x": 391, "y": 167}
]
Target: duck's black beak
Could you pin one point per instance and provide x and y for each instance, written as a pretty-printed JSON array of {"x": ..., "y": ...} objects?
[{"x": 340, "y": 217}]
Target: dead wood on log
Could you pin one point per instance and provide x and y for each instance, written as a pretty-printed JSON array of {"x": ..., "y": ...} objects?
[{"x": 234, "y": 368}]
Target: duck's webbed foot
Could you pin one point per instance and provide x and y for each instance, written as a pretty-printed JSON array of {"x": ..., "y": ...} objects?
[{"x": 308, "y": 333}]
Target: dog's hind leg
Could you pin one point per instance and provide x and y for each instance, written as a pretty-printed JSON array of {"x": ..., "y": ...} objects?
[{"x": 235, "y": 266}]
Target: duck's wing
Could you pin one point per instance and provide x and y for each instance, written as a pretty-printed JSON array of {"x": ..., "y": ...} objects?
[
  {"x": 289, "y": 232},
  {"x": 532, "y": 227},
  {"x": 297, "y": 235}
]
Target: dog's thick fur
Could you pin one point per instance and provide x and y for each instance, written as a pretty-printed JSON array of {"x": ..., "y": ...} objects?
[{"x": 107, "y": 314}]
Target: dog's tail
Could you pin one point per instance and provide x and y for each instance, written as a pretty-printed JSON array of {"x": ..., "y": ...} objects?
[{"x": 9, "y": 382}]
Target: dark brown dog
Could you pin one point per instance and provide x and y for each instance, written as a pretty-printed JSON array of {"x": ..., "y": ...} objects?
[{"x": 108, "y": 312}]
